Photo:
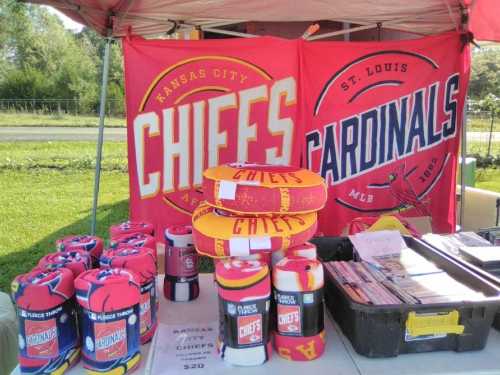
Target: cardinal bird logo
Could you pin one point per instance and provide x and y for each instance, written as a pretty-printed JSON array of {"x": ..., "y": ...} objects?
[
  {"x": 402, "y": 189},
  {"x": 405, "y": 187}
]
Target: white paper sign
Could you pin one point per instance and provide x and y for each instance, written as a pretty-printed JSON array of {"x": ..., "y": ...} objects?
[
  {"x": 372, "y": 244},
  {"x": 186, "y": 349}
]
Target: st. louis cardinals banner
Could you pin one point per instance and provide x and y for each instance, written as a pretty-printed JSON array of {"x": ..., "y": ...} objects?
[
  {"x": 194, "y": 105},
  {"x": 383, "y": 123},
  {"x": 380, "y": 121}
]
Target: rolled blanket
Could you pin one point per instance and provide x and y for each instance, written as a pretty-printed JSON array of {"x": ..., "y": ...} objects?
[
  {"x": 134, "y": 240},
  {"x": 263, "y": 256},
  {"x": 306, "y": 250},
  {"x": 244, "y": 290},
  {"x": 218, "y": 233},
  {"x": 298, "y": 292},
  {"x": 77, "y": 261},
  {"x": 46, "y": 310},
  {"x": 109, "y": 321},
  {"x": 260, "y": 189},
  {"x": 59, "y": 365},
  {"x": 141, "y": 260},
  {"x": 129, "y": 227},
  {"x": 91, "y": 244},
  {"x": 181, "y": 265}
]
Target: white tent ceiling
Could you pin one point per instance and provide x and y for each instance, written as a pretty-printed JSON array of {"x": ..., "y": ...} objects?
[{"x": 147, "y": 17}]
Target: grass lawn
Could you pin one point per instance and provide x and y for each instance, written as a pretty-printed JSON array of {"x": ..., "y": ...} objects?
[
  {"x": 482, "y": 124},
  {"x": 480, "y": 147},
  {"x": 61, "y": 156},
  {"x": 47, "y": 193},
  {"x": 39, "y": 206},
  {"x": 31, "y": 119},
  {"x": 488, "y": 179}
]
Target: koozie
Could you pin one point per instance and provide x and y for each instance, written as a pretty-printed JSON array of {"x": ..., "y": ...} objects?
[
  {"x": 244, "y": 290},
  {"x": 142, "y": 261},
  {"x": 91, "y": 244},
  {"x": 134, "y": 240},
  {"x": 219, "y": 233},
  {"x": 298, "y": 293},
  {"x": 109, "y": 319},
  {"x": 46, "y": 310},
  {"x": 129, "y": 227},
  {"x": 77, "y": 261},
  {"x": 258, "y": 189},
  {"x": 181, "y": 265},
  {"x": 306, "y": 250}
]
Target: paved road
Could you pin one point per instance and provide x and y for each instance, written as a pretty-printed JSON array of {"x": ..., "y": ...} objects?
[
  {"x": 34, "y": 133},
  {"x": 483, "y": 136},
  {"x": 118, "y": 134}
]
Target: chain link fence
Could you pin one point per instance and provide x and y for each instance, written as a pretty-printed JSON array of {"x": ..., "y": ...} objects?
[
  {"x": 483, "y": 133},
  {"x": 114, "y": 108}
]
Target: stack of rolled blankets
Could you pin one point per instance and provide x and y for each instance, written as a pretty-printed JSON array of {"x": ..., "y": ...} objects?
[
  {"x": 69, "y": 308},
  {"x": 255, "y": 222}
]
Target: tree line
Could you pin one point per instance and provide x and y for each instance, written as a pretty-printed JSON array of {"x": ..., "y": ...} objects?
[{"x": 40, "y": 59}]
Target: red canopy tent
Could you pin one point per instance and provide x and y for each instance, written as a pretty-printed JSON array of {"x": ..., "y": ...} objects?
[
  {"x": 117, "y": 18},
  {"x": 483, "y": 20},
  {"x": 147, "y": 17}
]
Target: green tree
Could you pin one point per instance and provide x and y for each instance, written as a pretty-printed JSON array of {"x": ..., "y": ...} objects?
[
  {"x": 12, "y": 18},
  {"x": 490, "y": 103},
  {"x": 40, "y": 59},
  {"x": 116, "y": 82},
  {"x": 485, "y": 77}
]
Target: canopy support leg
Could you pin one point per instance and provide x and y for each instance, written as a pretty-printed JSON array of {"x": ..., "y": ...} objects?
[
  {"x": 463, "y": 154},
  {"x": 100, "y": 137}
]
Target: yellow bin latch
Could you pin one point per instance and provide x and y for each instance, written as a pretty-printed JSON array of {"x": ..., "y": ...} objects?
[{"x": 434, "y": 323}]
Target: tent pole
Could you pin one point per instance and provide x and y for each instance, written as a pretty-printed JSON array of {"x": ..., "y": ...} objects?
[
  {"x": 463, "y": 154},
  {"x": 346, "y": 26},
  {"x": 100, "y": 138},
  {"x": 220, "y": 24},
  {"x": 343, "y": 32},
  {"x": 228, "y": 32}
]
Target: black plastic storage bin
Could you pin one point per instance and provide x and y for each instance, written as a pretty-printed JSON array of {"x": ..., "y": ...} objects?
[{"x": 380, "y": 330}]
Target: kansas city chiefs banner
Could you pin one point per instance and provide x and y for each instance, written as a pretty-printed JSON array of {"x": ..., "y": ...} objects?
[
  {"x": 198, "y": 104},
  {"x": 383, "y": 122}
]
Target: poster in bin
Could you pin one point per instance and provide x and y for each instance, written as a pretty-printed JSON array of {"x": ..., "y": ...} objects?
[
  {"x": 186, "y": 349},
  {"x": 191, "y": 106},
  {"x": 380, "y": 121}
]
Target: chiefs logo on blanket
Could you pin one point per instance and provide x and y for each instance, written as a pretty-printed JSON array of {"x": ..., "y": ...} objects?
[{"x": 384, "y": 126}]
